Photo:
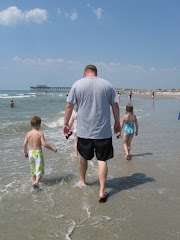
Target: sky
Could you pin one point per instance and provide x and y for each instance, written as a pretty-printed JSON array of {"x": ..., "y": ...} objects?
[{"x": 134, "y": 43}]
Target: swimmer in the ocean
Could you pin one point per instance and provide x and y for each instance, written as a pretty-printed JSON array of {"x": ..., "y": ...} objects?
[{"x": 12, "y": 105}]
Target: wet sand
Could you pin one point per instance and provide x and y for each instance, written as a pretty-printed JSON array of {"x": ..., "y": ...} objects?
[{"x": 144, "y": 192}]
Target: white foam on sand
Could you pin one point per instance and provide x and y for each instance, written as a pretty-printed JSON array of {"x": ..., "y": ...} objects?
[
  {"x": 71, "y": 228},
  {"x": 78, "y": 184}
]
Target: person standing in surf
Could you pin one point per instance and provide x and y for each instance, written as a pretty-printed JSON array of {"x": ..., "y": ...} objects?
[
  {"x": 36, "y": 140},
  {"x": 73, "y": 123},
  {"x": 130, "y": 95},
  {"x": 129, "y": 120},
  {"x": 94, "y": 97},
  {"x": 12, "y": 105}
]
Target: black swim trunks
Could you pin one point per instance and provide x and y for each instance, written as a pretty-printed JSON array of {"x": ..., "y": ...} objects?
[{"x": 102, "y": 147}]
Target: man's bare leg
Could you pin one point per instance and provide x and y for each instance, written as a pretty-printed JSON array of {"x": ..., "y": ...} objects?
[
  {"x": 102, "y": 172},
  {"x": 83, "y": 165},
  {"x": 75, "y": 145}
]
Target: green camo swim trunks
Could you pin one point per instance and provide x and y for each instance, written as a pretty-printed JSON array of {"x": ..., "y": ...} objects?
[{"x": 36, "y": 160}]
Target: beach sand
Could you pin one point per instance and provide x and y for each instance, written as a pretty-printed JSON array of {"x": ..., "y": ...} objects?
[{"x": 144, "y": 192}]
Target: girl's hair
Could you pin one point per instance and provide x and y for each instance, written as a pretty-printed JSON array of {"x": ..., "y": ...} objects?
[
  {"x": 35, "y": 121},
  {"x": 129, "y": 108}
]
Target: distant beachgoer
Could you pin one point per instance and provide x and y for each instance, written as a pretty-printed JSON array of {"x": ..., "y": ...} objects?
[
  {"x": 130, "y": 95},
  {"x": 119, "y": 94},
  {"x": 129, "y": 120},
  {"x": 12, "y": 105},
  {"x": 36, "y": 140},
  {"x": 153, "y": 92},
  {"x": 73, "y": 122}
]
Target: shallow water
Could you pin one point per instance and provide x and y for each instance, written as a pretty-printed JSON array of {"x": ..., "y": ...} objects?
[{"x": 144, "y": 192}]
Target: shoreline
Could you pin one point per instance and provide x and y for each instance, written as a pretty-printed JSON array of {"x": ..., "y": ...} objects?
[{"x": 158, "y": 95}]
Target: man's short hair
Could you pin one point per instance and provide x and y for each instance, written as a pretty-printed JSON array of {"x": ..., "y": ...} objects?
[
  {"x": 35, "y": 121},
  {"x": 92, "y": 68}
]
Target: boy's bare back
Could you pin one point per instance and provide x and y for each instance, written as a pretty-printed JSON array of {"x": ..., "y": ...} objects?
[{"x": 35, "y": 138}]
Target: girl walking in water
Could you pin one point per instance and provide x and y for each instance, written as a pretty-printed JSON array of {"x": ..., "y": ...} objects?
[{"x": 129, "y": 120}]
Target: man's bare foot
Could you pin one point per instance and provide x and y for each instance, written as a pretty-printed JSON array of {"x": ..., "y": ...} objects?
[
  {"x": 103, "y": 197},
  {"x": 127, "y": 157},
  {"x": 83, "y": 184}
]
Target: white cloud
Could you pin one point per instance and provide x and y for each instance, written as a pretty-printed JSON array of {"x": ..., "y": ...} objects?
[
  {"x": 152, "y": 69},
  {"x": 137, "y": 68},
  {"x": 168, "y": 69},
  {"x": 38, "y": 60},
  {"x": 98, "y": 12},
  {"x": 36, "y": 15},
  {"x": 59, "y": 11},
  {"x": 107, "y": 67},
  {"x": 116, "y": 66},
  {"x": 13, "y": 15},
  {"x": 73, "y": 15}
]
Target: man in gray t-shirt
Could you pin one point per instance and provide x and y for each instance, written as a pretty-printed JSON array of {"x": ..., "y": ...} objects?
[{"x": 93, "y": 96}]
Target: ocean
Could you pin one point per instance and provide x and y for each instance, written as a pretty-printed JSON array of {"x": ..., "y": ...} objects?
[{"x": 144, "y": 193}]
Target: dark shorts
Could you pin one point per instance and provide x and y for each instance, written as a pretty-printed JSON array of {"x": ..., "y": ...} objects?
[{"x": 102, "y": 147}]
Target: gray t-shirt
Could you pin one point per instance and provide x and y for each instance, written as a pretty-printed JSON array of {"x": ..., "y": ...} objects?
[{"x": 93, "y": 97}]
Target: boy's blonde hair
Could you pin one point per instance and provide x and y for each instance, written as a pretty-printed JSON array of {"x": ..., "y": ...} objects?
[
  {"x": 129, "y": 108},
  {"x": 35, "y": 121}
]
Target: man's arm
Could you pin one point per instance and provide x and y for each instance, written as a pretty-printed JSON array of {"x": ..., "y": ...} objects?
[
  {"x": 67, "y": 116},
  {"x": 115, "y": 109}
]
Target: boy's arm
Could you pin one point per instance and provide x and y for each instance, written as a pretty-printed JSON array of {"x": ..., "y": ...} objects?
[
  {"x": 43, "y": 142},
  {"x": 136, "y": 125},
  {"x": 25, "y": 147}
]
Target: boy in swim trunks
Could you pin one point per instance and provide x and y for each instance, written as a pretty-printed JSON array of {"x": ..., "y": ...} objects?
[
  {"x": 129, "y": 120},
  {"x": 36, "y": 140}
]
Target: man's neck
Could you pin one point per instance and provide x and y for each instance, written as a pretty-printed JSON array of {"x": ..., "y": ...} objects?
[{"x": 90, "y": 75}]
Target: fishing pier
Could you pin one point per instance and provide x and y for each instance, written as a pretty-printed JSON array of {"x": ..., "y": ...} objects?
[{"x": 45, "y": 88}]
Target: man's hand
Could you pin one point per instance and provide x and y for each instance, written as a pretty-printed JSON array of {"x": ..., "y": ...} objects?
[
  {"x": 26, "y": 155},
  {"x": 66, "y": 130},
  {"x": 117, "y": 128}
]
